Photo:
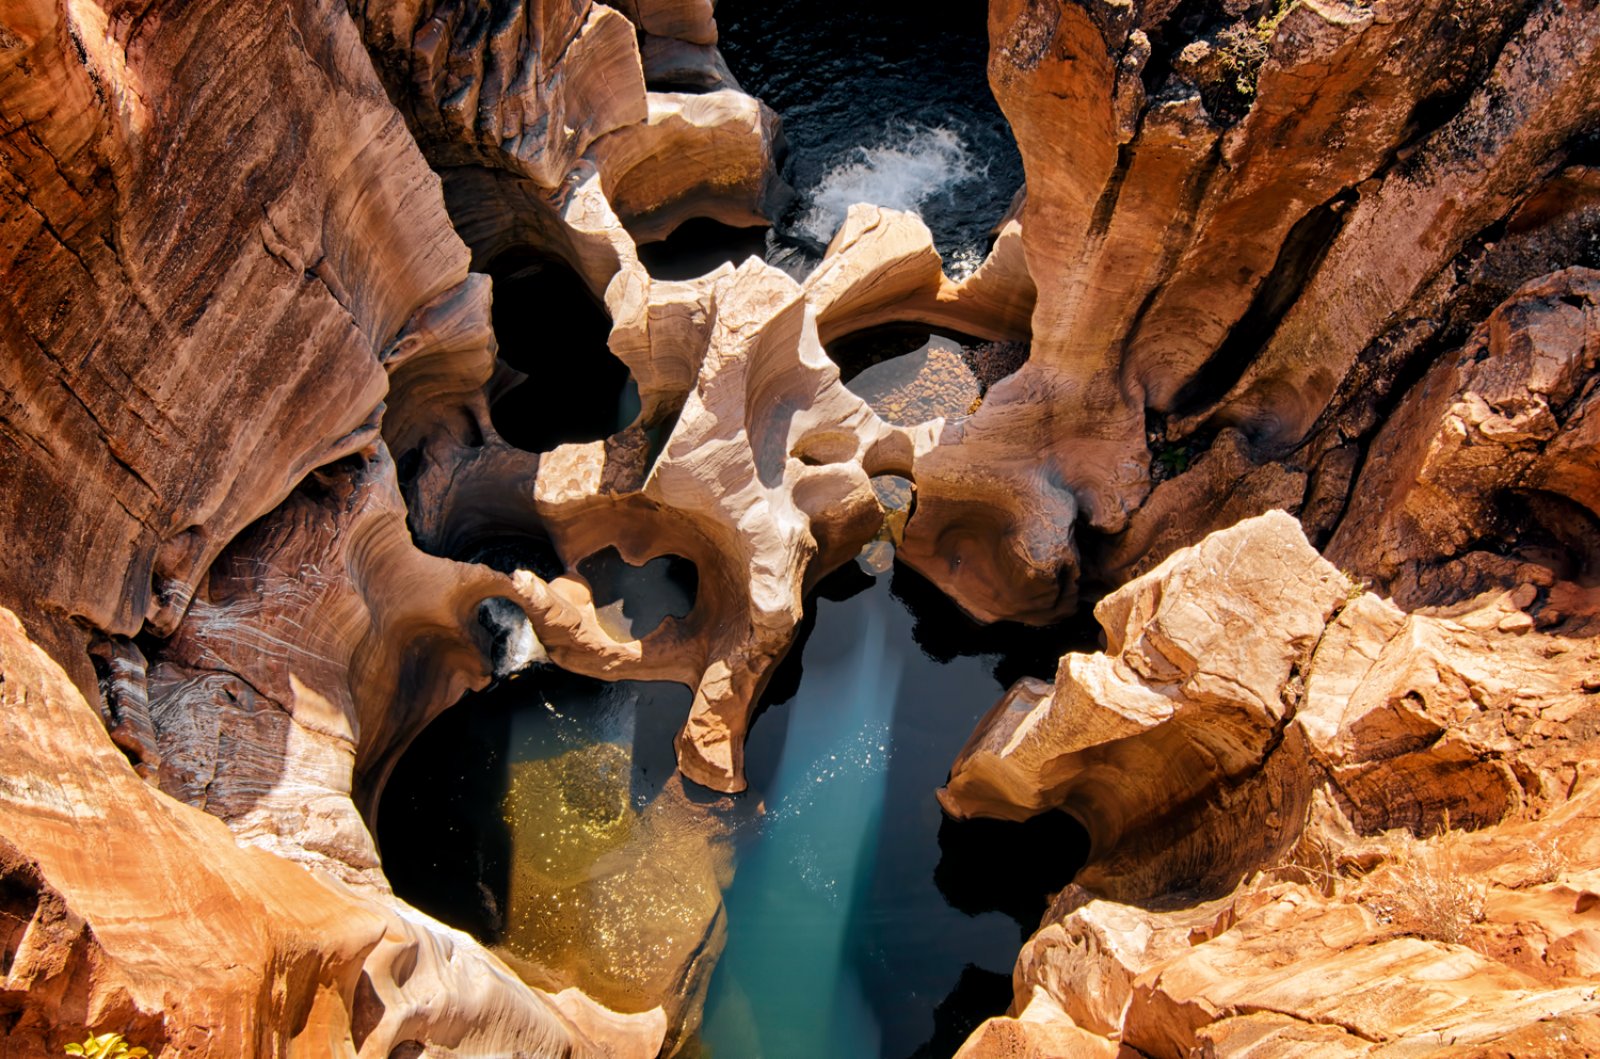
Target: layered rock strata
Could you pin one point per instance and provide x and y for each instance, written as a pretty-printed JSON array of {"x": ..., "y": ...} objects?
[
  {"x": 1290, "y": 780},
  {"x": 1240, "y": 219},
  {"x": 249, "y": 465}
]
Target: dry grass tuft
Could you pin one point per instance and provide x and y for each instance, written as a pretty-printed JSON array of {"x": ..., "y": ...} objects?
[
  {"x": 1424, "y": 890},
  {"x": 1546, "y": 862}
]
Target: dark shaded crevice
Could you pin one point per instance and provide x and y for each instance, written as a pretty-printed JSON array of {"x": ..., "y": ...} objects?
[
  {"x": 1584, "y": 149},
  {"x": 1487, "y": 270},
  {"x": 1188, "y": 20},
  {"x": 1106, "y": 204},
  {"x": 977, "y": 996},
  {"x": 856, "y": 352},
  {"x": 1547, "y": 529},
  {"x": 1468, "y": 50},
  {"x": 550, "y": 328},
  {"x": 699, "y": 246},
  {"x": 631, "y": 601},
  {"x": 437, "y": 852},
  {"x": 944, "y": 632},
  {"x": 1041, "y": 856},
  {"x": 509, "y": 552},
  {"x": 1303, "y": 249}
]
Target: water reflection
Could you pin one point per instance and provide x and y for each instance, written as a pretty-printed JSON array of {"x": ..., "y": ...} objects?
[{"x": 546, "y": 816}]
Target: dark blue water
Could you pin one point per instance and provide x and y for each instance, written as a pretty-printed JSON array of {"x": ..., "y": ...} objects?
[{"x": 884, "y": 102}]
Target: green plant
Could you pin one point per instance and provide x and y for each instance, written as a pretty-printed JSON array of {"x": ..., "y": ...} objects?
[
  {"x": 1241, "y": 52},
  {"x": 106, "y": 1046},
  {"x": 1175, "y": 458},
  {"x": 1269, "y": 22}
]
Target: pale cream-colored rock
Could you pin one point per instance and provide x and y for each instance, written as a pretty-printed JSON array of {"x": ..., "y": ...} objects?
[
  {"x": 882, "y": 268},
  {"x": 763, "y": 484},
  {"x": 696, "y": 155},
  {"x": 1042, "y": 1031},
  {"x": 1334, "y": 931},
  {"x": 1187, "y": 697}
]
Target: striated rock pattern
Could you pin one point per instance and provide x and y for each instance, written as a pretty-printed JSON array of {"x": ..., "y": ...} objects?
[
  {"x": 1237, "y": 218},
  {"x": 1254, "y": 881},
  {"x": 1261, "y": 739},
  {"x": 1286, "y": 275}
]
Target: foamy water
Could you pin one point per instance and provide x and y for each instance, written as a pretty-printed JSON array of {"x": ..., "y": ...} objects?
[{"x": 910, "y": 168}]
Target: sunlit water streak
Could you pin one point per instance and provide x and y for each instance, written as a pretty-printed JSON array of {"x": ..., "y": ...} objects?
[
  {"x": 546, "y": 817},
  {"x": 839, "y": 941}
]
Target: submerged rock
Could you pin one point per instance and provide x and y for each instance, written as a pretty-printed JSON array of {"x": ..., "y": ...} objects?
[{"x": 249, "y": 473}]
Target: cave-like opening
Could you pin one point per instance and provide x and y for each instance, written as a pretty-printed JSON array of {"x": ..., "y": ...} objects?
[
  {"x": 699, "y": 246},
  {"x": 910, "y": 374},
  {"x": 552, "y": 333}
]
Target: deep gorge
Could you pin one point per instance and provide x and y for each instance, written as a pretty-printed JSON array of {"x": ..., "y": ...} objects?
[{"x": 1041, "y": 529}]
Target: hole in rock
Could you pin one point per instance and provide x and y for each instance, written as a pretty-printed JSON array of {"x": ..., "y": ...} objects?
[
  {"x": 537, "y": 815},
  {"x": 510, "y": 552},
  {"x": 699, "y": 246},
  {"x": 885, "y": 103},
  {"x": 631, "y": 601},
  {"x": 1549, "y": 529},
  {"x": 909, "y": 375},
  {"x": 545, "y": 816},
  {"x": 550, "y": 328},
  {"x": 512, "y": 645},
  {"x": 19, "y": 901}
]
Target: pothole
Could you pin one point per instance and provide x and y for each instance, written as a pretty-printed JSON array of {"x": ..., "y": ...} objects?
[
  {"x": 630, "y": 601},
  {"x": 700, "y": 246},
  {"x": 910, "y": 375},
  {"x": 564, "y": 385}
]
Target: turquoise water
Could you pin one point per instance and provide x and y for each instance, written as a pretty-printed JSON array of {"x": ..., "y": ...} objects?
[
  {"x": 543, "y": 816},
  {"x": 840, "y": 939}
]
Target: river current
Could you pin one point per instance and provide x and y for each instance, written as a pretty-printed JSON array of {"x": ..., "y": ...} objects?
[{"x": 884, "y": 102}]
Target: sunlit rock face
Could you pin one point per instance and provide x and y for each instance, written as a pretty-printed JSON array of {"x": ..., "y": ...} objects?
[
  {"x": 1294, "y": 754},
  {"x": 273, "y": 501}
]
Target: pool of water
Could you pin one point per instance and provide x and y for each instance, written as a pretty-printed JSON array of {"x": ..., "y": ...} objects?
[
  {"x": 545, "y": 816},
  {"x": 884, "y": 102},
  {"x": 852, "y": 928}
]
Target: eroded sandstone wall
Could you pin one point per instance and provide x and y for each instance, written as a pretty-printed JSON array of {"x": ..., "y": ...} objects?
[{"x": 1323, "y": 258}]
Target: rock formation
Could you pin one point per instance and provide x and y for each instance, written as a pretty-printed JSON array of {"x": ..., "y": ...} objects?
[
  {"x": 1273, "y": 761},
  {"x": 1332, "y": 261}
]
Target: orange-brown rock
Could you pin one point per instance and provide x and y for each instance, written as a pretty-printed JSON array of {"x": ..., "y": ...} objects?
[
  {"x": 214, "y": 280},
  {"x": 1258, "y": 213},
  {"x": 230, "y": 296},
  {"x": 1509, "y": 419},
  {"x": 1348, "y": 935},
  {"x": 120, "y": 903}
]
